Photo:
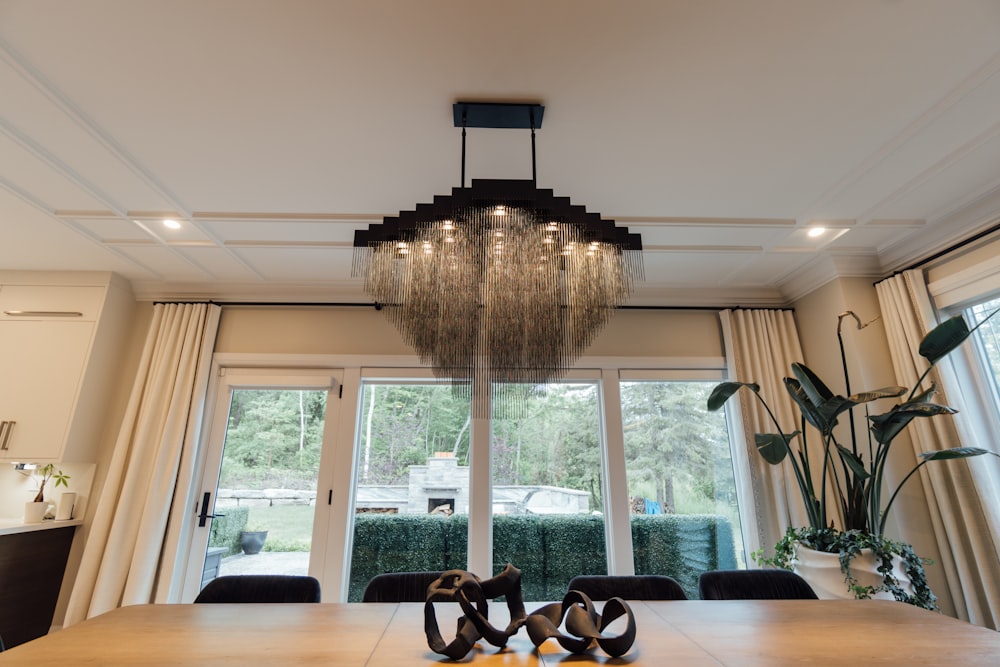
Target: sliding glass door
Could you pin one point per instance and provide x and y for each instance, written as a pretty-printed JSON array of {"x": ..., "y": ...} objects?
[
  {"x": 260, "y": 490},
  {"x": 371, "y": 470}
]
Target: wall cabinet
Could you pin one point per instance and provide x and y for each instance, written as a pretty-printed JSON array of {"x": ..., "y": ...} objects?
[{"x": 57, "y": 348}]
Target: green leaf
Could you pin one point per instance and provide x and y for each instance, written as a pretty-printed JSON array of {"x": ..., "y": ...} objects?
[
  {"x": 830, "y": 409},
  {"x": 833, "y": 407},
  {"x": 773, "y": 447},
  {"x": 811, "y": 384},
  {"x": 877, "y": 394},
  {"x": 837, "y": 405},
  {"x": 724, "y": 390},
  {"x": 820, "y": 406},
  {"x": 944, "y": 338},
  {"x": 925, "y": 395},
  {"x": 809, "y": 411},
  {"x": 954, "y": 453},
  {"x": 887, "y": 426},
  {"x": 948, "y": 335},
  {"x": 853, "y": 462}
]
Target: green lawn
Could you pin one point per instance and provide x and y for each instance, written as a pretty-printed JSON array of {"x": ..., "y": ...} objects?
[{"x": 289, "y": 527}]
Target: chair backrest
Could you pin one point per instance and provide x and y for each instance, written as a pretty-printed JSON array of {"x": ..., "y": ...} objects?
[
  {"x": 631, "y": 587},
  {"x": 260, "y": 588},
  {"x": 754, "y": 585},
  {"x": 399, "y": 587}
]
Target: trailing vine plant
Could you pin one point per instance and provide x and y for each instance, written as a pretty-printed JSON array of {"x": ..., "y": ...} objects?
[{"x": 848, "y": 545}]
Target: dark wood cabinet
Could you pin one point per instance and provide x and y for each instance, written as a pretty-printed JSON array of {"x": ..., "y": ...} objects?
[{"x": 32, "y": 564}]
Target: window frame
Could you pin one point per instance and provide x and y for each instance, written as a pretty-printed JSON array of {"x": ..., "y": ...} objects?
[{"x": 340, "y": 465}]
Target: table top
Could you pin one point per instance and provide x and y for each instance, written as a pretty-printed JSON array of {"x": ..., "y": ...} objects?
[{"x": 727, "y": 633}]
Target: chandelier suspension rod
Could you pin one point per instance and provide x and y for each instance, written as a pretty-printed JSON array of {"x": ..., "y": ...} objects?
[
  {"x": 534, "y": 173},
  {"x": 465, "y": 120},
  {"x": 531, "y": 124}
]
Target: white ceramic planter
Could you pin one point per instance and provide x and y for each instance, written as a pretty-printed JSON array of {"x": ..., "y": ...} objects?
[
  {"x": 822, "y": 571},
  {"x": 35, "y": 512}
]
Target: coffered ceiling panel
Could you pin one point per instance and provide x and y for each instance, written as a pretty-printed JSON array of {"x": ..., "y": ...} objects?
[{"x": 721, "y": 131}]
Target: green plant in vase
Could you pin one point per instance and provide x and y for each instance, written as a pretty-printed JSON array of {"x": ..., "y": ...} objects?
[
  {"x": 847, "y": 509},
  {"x": 43, "y": 475}
]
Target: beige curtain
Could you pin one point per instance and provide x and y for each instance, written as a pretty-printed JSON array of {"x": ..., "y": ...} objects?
[
  {"x": 965, "y": 528},
  {"x": 760, "y": 347},
  {"x": 131, "y": 554}
]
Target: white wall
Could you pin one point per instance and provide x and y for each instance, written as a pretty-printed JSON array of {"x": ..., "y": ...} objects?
[{"x": 360, "y": 331}]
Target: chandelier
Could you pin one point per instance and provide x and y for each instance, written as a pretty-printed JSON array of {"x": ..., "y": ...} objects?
[{"x": 500, "y": 282}]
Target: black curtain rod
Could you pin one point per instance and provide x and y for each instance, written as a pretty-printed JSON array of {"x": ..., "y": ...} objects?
[
  {"x": 213, "y": 302},
  {"x": 716, "y": 309},
  {"x": 355, "y": 304}
]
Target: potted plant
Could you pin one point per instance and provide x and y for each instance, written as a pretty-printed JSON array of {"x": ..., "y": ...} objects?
[
  {"x": 847, "y": 508},
  {"x": 252, "y": 541},
  {"x": 34, "y": 510}
]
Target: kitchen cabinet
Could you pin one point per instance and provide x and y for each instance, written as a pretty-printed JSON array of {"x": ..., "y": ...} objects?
[
  {"x": 32, "y": 564},
  {"x": 58, "y": 347}
]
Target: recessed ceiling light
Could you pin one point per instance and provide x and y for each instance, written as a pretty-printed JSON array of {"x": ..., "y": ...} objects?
[
  {"x": 172, "y": 224},
  {"x": 816, "y": 231}
]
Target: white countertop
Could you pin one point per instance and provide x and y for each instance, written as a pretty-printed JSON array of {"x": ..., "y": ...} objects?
[{"x": 12, "y": 526}]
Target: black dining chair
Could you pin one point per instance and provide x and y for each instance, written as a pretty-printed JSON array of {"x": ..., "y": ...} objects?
[
  {"x": 399, "y": 587},
  {"x": 754, "y": 585},
  {"x": 260, "y": 588},
  {"x": 628, "y": 587}
]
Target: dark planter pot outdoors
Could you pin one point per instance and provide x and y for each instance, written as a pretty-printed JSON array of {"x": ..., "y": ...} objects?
[{"x": 252, "y": 541}]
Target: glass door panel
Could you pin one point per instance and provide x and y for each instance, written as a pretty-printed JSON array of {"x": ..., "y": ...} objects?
[
  {"x": 681, "y": 486},
  {"x": 267, "y": 483},
  {"x": 412, "y": 481},
  {"x": 546, "y": 467},
  {"x": 263, "y": 461}
]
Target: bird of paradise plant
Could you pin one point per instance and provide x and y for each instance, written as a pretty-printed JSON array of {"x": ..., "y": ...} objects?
[{"x": 852, "y": 477}]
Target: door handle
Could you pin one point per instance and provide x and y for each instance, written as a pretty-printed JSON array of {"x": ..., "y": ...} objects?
[{"x": 204, "y": 515}]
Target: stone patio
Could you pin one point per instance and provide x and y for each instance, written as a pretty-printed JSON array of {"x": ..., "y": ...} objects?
[{"x": 266, "y": 562}]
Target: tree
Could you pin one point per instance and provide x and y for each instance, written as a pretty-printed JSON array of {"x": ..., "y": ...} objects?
[{"x": 671, "y": 439}]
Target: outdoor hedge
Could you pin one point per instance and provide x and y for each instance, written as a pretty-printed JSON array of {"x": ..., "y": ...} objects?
[
  {"x": 549, "y": 550},
  {"x": 226, "y": 529}
]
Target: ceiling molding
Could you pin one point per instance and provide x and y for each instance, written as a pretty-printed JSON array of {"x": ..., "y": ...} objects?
[
  {"x": 46, "y": 157},
  {"x": 707, "y": 222},
  {"x": 980, "y": 215},
  {"x": 949, "y": 100},
  {"x": 937, "y": 168},
  {"x": 825, "y": 268},
  {"x": 894, "y": 148},
  {"x": 30, "y": 74}
]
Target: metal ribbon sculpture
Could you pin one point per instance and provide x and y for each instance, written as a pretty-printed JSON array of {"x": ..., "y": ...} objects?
[{"x": 585, "y": 627}]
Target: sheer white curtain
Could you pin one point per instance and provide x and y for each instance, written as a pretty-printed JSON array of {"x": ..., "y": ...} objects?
[
  {"x": 131, "y": 554},
  {"x": 966, "y": 530},
  {"x": 760, "y": 347}
]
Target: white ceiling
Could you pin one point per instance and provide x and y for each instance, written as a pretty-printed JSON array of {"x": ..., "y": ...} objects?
[{"x": 719, "y": 130}]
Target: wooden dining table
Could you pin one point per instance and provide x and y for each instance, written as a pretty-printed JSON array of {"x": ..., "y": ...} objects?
[{"x": 727, "y": 633}]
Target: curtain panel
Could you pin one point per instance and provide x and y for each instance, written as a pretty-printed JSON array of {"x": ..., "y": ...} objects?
[
  {"x": 133, "y": 551},
  {"x": 760, "y": 347},
  {"x": 962, "y": 495}
]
